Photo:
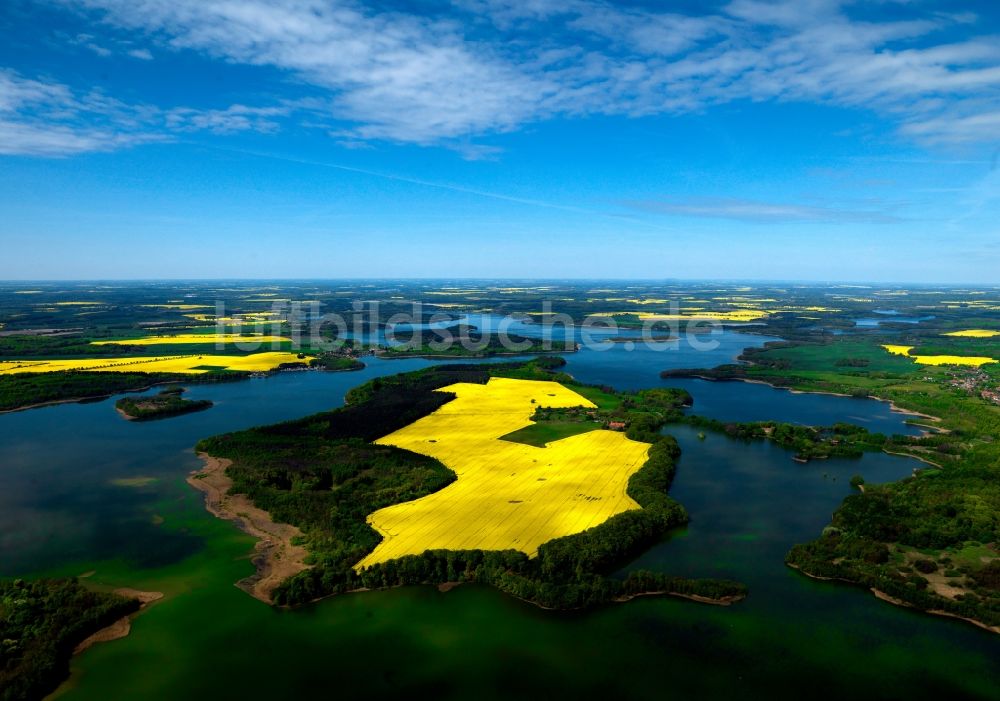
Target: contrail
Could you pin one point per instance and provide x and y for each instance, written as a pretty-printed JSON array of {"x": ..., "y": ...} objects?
[{"x": 438, "y": 185}]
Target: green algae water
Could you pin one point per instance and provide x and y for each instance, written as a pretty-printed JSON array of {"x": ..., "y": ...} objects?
[{"x": 84, "y": 492}]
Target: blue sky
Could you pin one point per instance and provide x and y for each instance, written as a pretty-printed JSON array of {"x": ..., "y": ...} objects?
[{"x": 811, "y": 140}]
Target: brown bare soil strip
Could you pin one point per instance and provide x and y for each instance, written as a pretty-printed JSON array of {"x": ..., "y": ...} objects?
[
  {"x": 275, "y": 556},
  {"x": 120, "y": 628},
  {"x": 899, "y": 602}
]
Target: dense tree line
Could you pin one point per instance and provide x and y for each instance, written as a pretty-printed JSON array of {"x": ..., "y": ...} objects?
[
  {"x": 336, "y": 362},
  {"x": 30, "y": 388},
  {"x": 841, "y": 440},
  {"x": 465, "y": 340},
  {"x": 41, "y": 622}
]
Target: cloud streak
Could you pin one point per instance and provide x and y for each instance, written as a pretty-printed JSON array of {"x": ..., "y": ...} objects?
[
  {"x": 758, "y": 211},
  {"x": 451, "y": 187},
  {"x": 482, "y": 67}
]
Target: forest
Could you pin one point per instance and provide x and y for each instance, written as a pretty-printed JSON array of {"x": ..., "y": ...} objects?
[
  {"x": 464, "y": 340},
  {"x": 41, "y": 622}
]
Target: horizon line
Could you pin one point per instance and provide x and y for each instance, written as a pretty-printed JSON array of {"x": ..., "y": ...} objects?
[{"x": 810, "y": 282}]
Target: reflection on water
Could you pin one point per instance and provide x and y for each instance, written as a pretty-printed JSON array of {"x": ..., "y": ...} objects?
[
  {"x": 890, "y": 319},
  {"x": 759, "y": 402},
  {"x": 750, "y": 502}
]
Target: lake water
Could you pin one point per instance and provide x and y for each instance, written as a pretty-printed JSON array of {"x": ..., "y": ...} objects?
[
  {"x": 82, "y": 490},
  {"x": 757, "y": 402},
  {"x": 890, "y": 319}
]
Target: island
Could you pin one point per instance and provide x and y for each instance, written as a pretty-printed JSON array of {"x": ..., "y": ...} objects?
[
  {"x": 336, "y": 362},
  {"x": 168, "y": 402}
]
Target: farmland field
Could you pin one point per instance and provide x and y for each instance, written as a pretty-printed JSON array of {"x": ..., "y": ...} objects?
[
  {"x": 508, "y": 495},
  {"x": 939, "y": 359},
  {"x": 186, "y": 364},
  {"x": 189, "y": 338},
  {"x": 974, "y": 333}
]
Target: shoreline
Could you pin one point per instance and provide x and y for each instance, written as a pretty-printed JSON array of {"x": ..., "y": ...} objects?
[
  {"x": 403, "y": 356},
  {"x": 818, "y": 577},
  {"x": 94, "y": 398},
  {"x": 724, "y": 601},
  {"x": 445, "y": 587},
  {"x": 636, "y": 341},
  {"x": 123, "y": 626},
  {"x": 881, "y": 595},
  {"x": 124, "y": 415},
  {"x": 892, "y": 404},
  {"x": 247, "y": 375},
  {"x": 276, "y": 557},
  {"x": 915, "y": 457}
]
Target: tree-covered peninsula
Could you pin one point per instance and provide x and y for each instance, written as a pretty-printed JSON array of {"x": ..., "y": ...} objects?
[{"x": 324, "y": 474}]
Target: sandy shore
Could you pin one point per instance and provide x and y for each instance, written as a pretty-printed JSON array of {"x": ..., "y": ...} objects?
[
  {"x": 121, "y": 627},
  {"x": 935, "y": 612},
  {"x": 724, "y": 601},
  {"x": 926, "y": 461},
  {"x": 816, "y": 576},
  {"x": 899, "y": 602},
  {"x": 445, "y": 587},
  {"x": 275, "y": 556},
  {"x": 124, "y": 415},
  {"x": 478, "y": 356}
]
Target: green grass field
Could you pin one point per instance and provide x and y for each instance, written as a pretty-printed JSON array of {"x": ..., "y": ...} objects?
[{"x": 541, "y": 433}]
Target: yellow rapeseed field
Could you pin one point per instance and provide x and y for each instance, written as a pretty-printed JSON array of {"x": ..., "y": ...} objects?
[
  {"x": 742, "y": 315},
  {"x": 255, "y": 362},
  {"x": 194, "y": 338},
  {"x": 249, "y": 319},
  {"x": 974, "y": 333},
  {"x": 939, "y": 359},
  {"x": 898, "y": 350},
  {"x": 508, "y": 495}
]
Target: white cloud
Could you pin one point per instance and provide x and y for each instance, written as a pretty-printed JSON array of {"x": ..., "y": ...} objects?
[
  {"x": 232, "y": 119},
  {"x": 39, "y": 118},
  {"x": 20, "y": 139},
  {"x": 396, "y": 76},
  {"x": 490, "y": 66},
  {"x": 982, "y": 126}
]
